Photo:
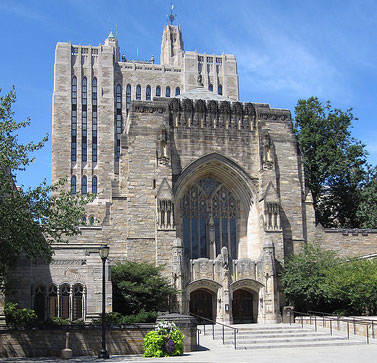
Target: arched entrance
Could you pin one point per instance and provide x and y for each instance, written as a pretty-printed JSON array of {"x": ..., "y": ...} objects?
[
  {"x": 201, "y": 302},
  {"x": 242, "y": 307}
]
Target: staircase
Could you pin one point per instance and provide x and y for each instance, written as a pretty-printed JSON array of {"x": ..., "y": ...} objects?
[{"x": 263, "y": 336}]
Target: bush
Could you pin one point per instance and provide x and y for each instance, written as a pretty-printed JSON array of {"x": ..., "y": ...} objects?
[
  {"x": 139, "y": 286},
  {"x": 16, "y": 317},
  {"x": 56, "y": 321},
  {"x": 118, "y": 318},
  {"x": 166, "y": 340}
]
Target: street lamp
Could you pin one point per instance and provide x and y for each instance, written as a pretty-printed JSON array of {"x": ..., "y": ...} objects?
[{"x": 104, "y": 253}]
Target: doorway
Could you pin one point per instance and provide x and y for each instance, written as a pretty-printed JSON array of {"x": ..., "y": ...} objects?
[
  {"x": 201, "y": 303},
  {"x": 242, "y": 306}
]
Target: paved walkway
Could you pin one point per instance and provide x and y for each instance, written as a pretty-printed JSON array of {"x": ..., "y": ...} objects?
[{"x": 214, "y": 352}]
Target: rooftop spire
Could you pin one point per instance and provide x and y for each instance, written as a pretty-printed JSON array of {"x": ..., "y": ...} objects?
[{"x": 171, "y": 16}]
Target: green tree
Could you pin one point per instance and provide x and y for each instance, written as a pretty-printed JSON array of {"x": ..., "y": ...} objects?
[
  {"x": 335, "y": 163},
  {"x": 29, "y": 219},
  {"x": 354, "y": 283},
  {"x": 367, "y": 207},
  {"x": 304, "y": 279},
  {"x": 138, "y": 286}
]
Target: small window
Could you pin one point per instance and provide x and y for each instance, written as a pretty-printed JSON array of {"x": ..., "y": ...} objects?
[
  {"x": 158, "y": 91},
  {"x": 91, "y": 221},
  {"x": 119, "y": 96},
  {"x": 220, "y": 88},
  {"x": 52, "y": 301},
  {"x": 83, "y": 220},
  {"x": 167, "y": 94},
  {"x": 210, "y": 87},
  {"x": 94, "y": 185},
  {"x": 128, "y": 96},
  {"x": 77, "y": 300},
  {"x": 73, "y": 185},
  {"x": 84, "y": 188},
  {"x": 138, "y": 92},
  {"x": 148, "y": 93},
  {"x": 64, "y": 301},
  {"x": 177, "y": 91}
]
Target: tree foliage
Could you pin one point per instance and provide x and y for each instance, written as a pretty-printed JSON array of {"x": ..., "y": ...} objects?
[
  {"x": 30, "y": 220},
  {"x": 343, "y": 185},
  {"x": 317, "y": 280},
  {"x": 138, "y": 286},
  {"x": 304, "y": 279}
]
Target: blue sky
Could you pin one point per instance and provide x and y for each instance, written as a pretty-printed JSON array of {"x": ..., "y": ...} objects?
[{"x": 286, "y": 50}]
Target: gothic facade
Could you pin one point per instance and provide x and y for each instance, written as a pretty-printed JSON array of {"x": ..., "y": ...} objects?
[{"x": 185, "y": 176}]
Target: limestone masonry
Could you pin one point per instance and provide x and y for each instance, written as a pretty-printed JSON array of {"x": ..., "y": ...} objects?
[{"x": 185, "y": 176}]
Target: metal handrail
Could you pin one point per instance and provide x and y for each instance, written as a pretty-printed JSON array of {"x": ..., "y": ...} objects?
[
  {"x": 213, "y": 323},
  {"x": 330, "y": 317}
]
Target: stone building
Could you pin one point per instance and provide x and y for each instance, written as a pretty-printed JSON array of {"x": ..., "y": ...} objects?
[{"x": 185, "y": 175}]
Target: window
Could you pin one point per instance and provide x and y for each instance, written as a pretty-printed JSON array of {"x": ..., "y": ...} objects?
[
  {"x": 148, "y": 93},
  {"x": 167, "y": 93},
  {"x": 94, "y": 120},
  {"x": 220, "y": 89},
  {"x": 52, "y": 301},
  {"x": 77, "y": 302},
  {"x": 208, "y": 206},
  {"x": 74, "y": 119},
  {"x": 158, "y": 91},
  {"x": 177, "y": 91},
  {"x": 128, "y": 97},
  {"x": 84, "y": 188},
  {"x": 64, "y": 306},
  {"x": 84, "y": 121},
  {"x": 210, "y": 87},
  {"x": 94, "y": 185},
  {"x": 138, "y": 92},
  {"x": 118, "y": 125},
  {"x": 39, "y": 302},
  {"x": 91, "y": 220},
  {"x": 73, "y": 185}
]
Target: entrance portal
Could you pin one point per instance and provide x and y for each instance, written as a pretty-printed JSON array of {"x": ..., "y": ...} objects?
[
  {"x": 242, "y": 307},
  {"x": 201, "y": 303}
]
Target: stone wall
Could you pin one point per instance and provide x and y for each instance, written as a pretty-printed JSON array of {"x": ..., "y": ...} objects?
[{"x": 82, "y": 341}]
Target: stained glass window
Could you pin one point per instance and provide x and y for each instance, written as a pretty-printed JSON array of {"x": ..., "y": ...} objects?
[{"x": 209, "y": 201}]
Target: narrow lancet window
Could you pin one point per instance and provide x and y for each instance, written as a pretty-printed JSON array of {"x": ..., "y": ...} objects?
[
  {"x": 177, "y": 91},
  {"x": 73, "y": 185},
  {"x": 158, "y": 91},
  {"x": 84, "y": 186},
  {"x": 138, "y": 92},
  {"x": 220, "y": 89},
  {"x": 84, "y": 123},
  {"x": 118, "y": 120},
  {"x": 94, "y": 120},
  {"x": 94, "y": 185},
  {"x": 128, "y": 97},
  {"x": 167, "y": 93},
  {"x": 74, "y": 120},
  {"x": 148, "y": 93}
]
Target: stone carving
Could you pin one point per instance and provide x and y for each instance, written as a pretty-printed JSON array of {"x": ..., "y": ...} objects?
[
  {"x": 165, "y": 207},
  {"x": 149, "y": 109},
  {"x": 267, "y": 152},
  {"x": 162, "y": 146}
]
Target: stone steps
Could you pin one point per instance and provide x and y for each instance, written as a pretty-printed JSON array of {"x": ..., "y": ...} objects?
[{"x": 260, "y": 336}]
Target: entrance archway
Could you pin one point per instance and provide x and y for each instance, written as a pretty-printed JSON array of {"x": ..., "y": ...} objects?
[
  {"x": 242, "y": 306},
  {"x": 201, "y": 302}
]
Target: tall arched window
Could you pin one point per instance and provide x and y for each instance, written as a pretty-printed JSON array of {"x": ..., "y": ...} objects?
[
  {"x": 128, "y": 97},
  {"x": 220, "y": 89},
  {"x": 84, "y": 187},
  {"x": 94, "y": 185},
  {"x": 39, "y": 302},
  {"x": 94, "y": 120},
  {"x": 210, "y": 87},
  {"x": 158, "y": 91},
  {"x": 208, "y": 206},
  {"x": 77, "y": 302},
  {"x": 64, "y": 303},
  {"x": 167, "y": 92},
  {"x": 74, "y": 120},
  {"x": 52, "y": 301},
  {"x": 73, "y": 185},
  {"x": 177, "y": 91},
  {"x": 138, "y": 92},
  {"x": 118, "y": 120},
  {"x": 148, "y": 93},
  {"x": 84, "y": 121}
]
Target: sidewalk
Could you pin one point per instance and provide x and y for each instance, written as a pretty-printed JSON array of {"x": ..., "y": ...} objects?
[{"x": 214, "y": 352}]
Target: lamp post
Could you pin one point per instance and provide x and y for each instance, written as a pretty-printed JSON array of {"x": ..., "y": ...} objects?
[{"x": 104, "y": 253}]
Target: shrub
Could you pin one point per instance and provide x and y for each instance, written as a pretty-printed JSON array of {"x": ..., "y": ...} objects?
[
  {"x": 139, "y": 286},
  {"x": 166, "y": 340},
  {"x": 16, "y": 317},
  {"x": 56, "y": 321},
  {"x": 118, "y": 318}
]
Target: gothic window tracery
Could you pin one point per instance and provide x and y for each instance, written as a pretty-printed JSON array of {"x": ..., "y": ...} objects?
[
  {"x": 209, "y": 200},
  {"x": 74, "y": 119}
]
